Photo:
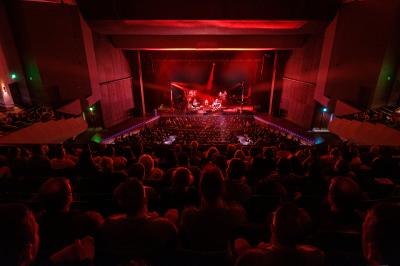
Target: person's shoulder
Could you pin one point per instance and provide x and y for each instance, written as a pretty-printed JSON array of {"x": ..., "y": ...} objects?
[
  {"x": 190, "y": 211},
  {"x": 115, "y": 217},
  {"x": 113, "y": 221},
  {"x": 265, "y": 247},
  {"x": 310, "y": 251},
  {"x": 161, "y": 222},
  {"x": 234, "y": 208},
  {"x": 68, "y": 161},
  {"x": 311, "y": 254}
]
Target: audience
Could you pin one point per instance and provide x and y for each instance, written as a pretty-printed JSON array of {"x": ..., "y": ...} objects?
[
  {"x": 60, "y": 161},
  {"x": 15, "y": 120},
  {"x": 344, "y": 199},
  {"x": 137, "y": 234},
  {"x": 209, "y": 193},
  {"x": 208, "y": 228},
  {"x": 236, "y": 187},
  {"x": 385, "y": 115},
  {"x": 289, "y": 227},
  {"x": 181, "y": 193},
  {"x": 59, "y": 225},
  {"x": 19, "y": 241},
  {"x": 381, "y": 235}
]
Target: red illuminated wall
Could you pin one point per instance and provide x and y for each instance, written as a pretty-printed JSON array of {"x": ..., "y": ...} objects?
[
  {"x": 9, "y": 58},
  {"x": 115, "y": 84},
  {"x": 300, "y": 76},
  {"x": 50, "y": 42},
  {"x": 63, "y": 61},
  {"x": 360, "y": 51},
  {"x": 364, "y": 52}
]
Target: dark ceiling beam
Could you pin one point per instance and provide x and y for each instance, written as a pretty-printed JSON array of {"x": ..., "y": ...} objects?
[
  {"x": 211, "y": 42},
  {"x": 210, "y": 9}
]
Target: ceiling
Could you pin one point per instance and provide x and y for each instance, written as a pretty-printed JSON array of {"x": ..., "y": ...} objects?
[{"x": 208, "y": 24}]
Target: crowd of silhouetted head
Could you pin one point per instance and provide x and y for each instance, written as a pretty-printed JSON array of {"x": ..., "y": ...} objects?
[{"x": 133, "y": 203}]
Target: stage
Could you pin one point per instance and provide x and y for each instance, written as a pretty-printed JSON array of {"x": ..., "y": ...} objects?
[{"x": 204, "y": 110}]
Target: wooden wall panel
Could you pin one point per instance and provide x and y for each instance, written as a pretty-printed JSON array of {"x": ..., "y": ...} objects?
[
  {"x": 298, "y": 88},
  {"x": 115, "y": 83}
]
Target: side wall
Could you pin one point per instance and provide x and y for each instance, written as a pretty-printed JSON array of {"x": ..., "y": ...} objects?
[
  {"x": 10, "y": 61},
  {"x": 363, "y": 53},
  {"x": 300, "y": 76},
  {"x": 65, "y": 61},
  {"x": 52, "y": 51},
  {"x": 115, "y": 81}
]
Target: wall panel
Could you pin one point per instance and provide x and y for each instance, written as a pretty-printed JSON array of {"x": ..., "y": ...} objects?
[
  {"x": 300, "y": 75},
  {"x": 115, "y": 81}
]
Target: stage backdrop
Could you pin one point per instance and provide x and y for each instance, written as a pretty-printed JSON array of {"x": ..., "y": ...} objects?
[{"x": 195, "y": 68}]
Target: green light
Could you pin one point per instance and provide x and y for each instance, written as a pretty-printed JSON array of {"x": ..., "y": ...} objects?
[
  {"x": 30, "y": 78},
  {"x": 91, "y": 109},
  {"x": 97, "y": 138},
  {"x": 13, "y": 76},
  {"x": 389, "y": 77}
]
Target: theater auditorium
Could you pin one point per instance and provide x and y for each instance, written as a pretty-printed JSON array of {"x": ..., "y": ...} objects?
[{"x": 199, "y": 133}]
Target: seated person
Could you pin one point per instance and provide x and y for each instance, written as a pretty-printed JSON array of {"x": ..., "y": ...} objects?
[
  {"x": 381, "y": 235},
  {"x": 60, "y": 161},
  {"x": 137, "y": 171},
  {"x": 286, "y": 177},
  {"x": 344, "y": 198},
  {"x": 289, "y": 228},
  {"x": 19, "y": 242},
  {"x": 181, "y": 193},
  {"x": 236, "y": 187},
  {"x": 136, "y": 234},
  {"x": 38, "y": 165},
  {"x": 208, "y": 228},
  {"x": 152, "y": 173},
  {"x": 59, "y": 225}
]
